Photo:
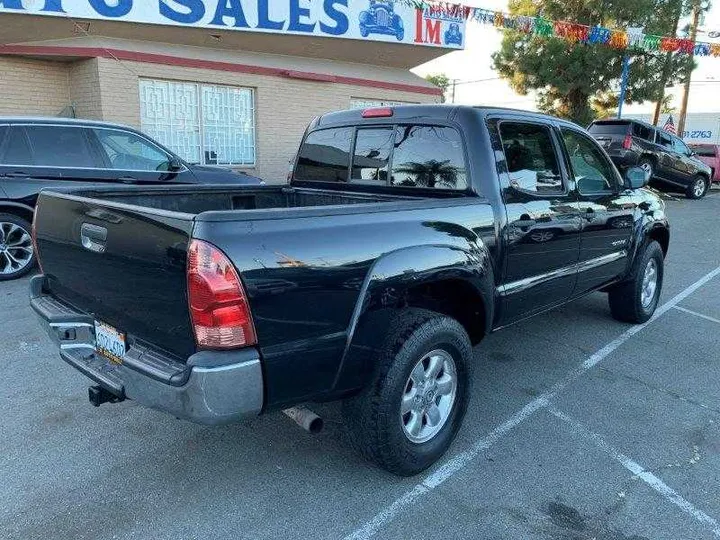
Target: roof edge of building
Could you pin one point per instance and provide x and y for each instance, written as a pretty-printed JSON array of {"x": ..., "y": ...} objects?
[{"x": 155, "y": 58}]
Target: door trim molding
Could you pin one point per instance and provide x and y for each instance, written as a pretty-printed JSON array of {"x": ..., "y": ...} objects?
[{"x": 514, "y": 287}]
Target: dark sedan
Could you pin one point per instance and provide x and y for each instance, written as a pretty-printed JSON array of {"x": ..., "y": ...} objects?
[{"x": 37, "y": 153}]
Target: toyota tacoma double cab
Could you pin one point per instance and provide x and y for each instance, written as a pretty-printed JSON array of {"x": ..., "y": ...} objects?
[{"x": 405, "y": 235}]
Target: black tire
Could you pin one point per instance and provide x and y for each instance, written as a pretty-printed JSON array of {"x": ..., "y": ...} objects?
[
  {"x": 373, "y": 419},
  {"x": 694, "y": 191},
  {"x": 626, "y": 298},
  {"x": 7, "y": 256},
  {"x": 648, "y": 165}
]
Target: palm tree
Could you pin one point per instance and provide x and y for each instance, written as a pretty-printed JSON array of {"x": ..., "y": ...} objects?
[{"x": 431, "y": 174}]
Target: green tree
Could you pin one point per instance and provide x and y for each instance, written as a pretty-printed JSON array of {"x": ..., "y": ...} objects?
[
  {"x": 580, "y": 81},
  {"x": 441, "y": 81}
]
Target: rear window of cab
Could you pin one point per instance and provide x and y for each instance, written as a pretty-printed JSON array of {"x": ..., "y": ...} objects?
[{"x": 414, "y": 156}]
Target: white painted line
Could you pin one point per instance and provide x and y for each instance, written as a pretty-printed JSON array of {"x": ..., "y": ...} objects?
[
  {"x": 459, "y": 462},
  {"x": 638, "y": 470},
  {"x": 706, "y": 317}
]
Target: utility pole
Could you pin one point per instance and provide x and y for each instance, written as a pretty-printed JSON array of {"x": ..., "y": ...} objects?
[
  {"x": 688, "y": 78},
  {"x": 454, "y": 83}
]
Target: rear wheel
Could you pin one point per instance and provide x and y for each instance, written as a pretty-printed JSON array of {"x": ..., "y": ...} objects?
[
  {"x": 17, "y": 255},
  {"x": 636, "y": 299},
  {"x": 697, "y": 188},
  {"x": 410, "y": 413}
]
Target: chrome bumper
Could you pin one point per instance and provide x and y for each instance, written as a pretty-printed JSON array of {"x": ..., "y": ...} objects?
[{"x": 212, "y": 387}]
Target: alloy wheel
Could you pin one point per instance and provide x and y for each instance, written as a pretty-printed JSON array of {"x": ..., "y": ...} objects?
[
  {"x": 649, "y": 284},
  {"x": 16, "y": 248},
  {"x": 429, "y": 396}
]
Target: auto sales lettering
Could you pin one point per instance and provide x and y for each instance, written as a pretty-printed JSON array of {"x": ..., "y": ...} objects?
[{"x": 376, "y": 20}]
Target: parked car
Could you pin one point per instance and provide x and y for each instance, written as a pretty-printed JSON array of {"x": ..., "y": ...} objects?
[
  {"x": 398, "y": 245},
  {"x": 380, "y": 18},
  {"x": 453, "y": 35},
  {"x": 709, "y": 154},
  {"x": 665, "y": 158},
  {"x": 37, "y": 153}
]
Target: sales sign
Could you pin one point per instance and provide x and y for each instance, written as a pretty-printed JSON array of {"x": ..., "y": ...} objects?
[{"x": 373, "y": 20}]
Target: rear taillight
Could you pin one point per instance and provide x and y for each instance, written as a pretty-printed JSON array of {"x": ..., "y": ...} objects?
[
  {"x": 33, "y": 234},
  {"x": 219, "y": 309},
  {"x": 627, "y": 143}
]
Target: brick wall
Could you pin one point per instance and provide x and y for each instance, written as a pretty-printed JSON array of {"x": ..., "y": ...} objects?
[
  {"x": 33, "y": 87},
  {"x": 85, "y": 89},
  {"x": 284, "y": 107}
]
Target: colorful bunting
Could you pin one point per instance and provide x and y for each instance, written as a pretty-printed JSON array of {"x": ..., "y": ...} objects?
[{"x": 630, "y": 38}]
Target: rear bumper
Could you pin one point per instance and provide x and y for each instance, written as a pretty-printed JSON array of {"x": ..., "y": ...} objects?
[{"x": 212, "y": 387}]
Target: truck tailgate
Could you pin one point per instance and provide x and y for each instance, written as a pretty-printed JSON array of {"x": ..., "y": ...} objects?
[{"x": 123, "y": 265}]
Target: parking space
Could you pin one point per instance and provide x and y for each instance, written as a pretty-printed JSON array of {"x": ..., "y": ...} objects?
[{"x": 580, "y": 427}]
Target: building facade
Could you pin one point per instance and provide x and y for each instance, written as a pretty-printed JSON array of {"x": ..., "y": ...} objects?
[{"x": 220, "y": 82}]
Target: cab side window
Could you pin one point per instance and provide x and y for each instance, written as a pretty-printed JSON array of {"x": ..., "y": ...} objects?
[
  {"x": 128, "y": 151},
  {"x": 592, "y": 171},
  {"x": 680, "y": 147},
  {"x": 61, "y": 146},
  {"x": 531, "y": 158},
  {"x": 664, "y": 140}
]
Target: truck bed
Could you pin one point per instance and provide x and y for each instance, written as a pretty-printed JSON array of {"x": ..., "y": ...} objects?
[{"x": 198, "y": 199}]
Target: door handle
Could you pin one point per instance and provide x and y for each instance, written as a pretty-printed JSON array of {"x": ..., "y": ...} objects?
[
  {"x": 93, "y": 237},
  {"x": 127, "y": 179}
]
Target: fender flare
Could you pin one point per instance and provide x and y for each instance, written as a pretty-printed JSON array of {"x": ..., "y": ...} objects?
[
  {"x": 11, "y": 204},
  {"x": 399, "y": 270}
]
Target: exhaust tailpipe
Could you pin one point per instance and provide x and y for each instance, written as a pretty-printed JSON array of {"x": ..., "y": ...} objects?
[{"x": 305, "y": 418}]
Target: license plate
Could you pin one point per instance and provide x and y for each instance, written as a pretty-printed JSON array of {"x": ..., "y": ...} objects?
[{"x": 109, "y": 342}]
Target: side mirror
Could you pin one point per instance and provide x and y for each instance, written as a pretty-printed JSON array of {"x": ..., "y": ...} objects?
[
  {"x": 635, "y": 178},
  {"x": 174, "y": 164}
]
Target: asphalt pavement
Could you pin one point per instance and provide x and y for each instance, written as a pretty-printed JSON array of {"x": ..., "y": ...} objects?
[{"x": 579, "y": 427}]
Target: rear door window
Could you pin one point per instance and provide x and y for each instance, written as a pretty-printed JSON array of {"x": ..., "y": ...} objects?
[
  {"x": 325, "y": 156},
  {"x": 428, "y": 157},
  {"x": 17, "y": 149},
  {"x": 531, "y": 157},
  {"x": 664, "y": 140},
  {"x": 372, "y": 154},
  {"x": 61, "y": 146}
]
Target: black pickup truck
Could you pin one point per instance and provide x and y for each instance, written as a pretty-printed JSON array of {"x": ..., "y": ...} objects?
[{"x": 406, "y": 235}]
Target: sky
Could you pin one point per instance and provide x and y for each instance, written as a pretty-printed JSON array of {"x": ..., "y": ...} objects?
[{"x": 475, "y": 64}]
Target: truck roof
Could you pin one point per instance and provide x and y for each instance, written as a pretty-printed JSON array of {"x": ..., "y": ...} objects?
[{"x": 434, "y": 111}]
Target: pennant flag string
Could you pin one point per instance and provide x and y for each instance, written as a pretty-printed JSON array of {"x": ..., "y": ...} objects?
[{"x": 616, "y": 38}]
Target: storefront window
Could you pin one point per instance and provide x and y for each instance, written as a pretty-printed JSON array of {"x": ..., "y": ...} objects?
[{"x": 208, "y": 124}]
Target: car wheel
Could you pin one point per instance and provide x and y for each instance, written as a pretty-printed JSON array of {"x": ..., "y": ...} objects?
[
  {"x": 400, "y": 34},
  {"x": 17, "y": 255},
  {"x": 648, "y": 166},
  {"x": 406, "y": 418},
  {"x": 364, "y": 31},
  {"x": 636, "y": 299},
  {"x": 697, "y": 188}
]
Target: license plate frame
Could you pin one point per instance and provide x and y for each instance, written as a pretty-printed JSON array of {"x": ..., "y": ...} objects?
[{"x": 110, "y": 342}]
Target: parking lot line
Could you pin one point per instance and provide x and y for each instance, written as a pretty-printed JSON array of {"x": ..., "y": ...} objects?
[
  {"x": 691, "y": 312},
  {"x": 459, "y": 462},
  {"x": 639, "y": 471}
]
